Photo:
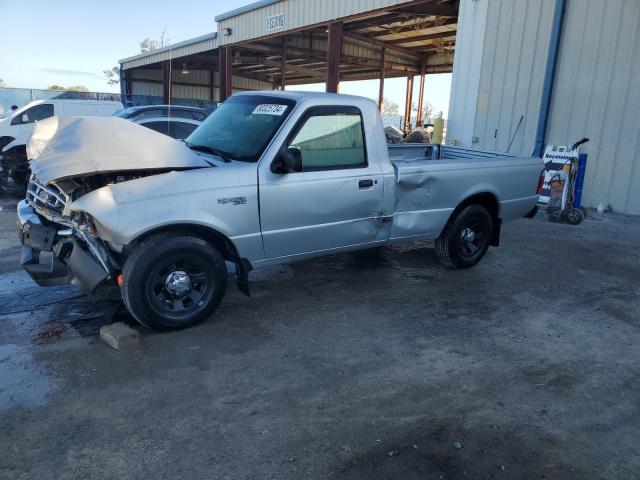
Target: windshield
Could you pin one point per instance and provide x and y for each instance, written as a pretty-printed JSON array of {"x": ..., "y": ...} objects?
[{"x": 242, "y": 127}]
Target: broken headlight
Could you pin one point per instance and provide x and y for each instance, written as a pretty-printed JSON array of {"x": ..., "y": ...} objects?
[{"x": 84, "y": 223}]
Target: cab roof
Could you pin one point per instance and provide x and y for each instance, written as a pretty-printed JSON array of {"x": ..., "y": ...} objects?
[{"x": 302, "y": 95}]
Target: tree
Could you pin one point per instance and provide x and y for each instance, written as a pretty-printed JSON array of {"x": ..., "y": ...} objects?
[
  {"x": 149, "y": 45},
  {"x": 72, "y": 88},
  {"x": 2, "y": 84},
  {"x": 113, "y": 75},
  {"x": 389, "y": 107},
  {"x": 427, "y": 110}
]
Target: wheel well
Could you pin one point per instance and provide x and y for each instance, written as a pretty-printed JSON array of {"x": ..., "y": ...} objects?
[
  {"x": 488, "y": 201},
  {"x": 15, "y": 150},
  {"x": 5, "y": 140},
  {"x": 220, "y": 241}
]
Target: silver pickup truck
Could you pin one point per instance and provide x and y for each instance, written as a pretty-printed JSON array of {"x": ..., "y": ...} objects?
[{"x": 268, "y": 178}]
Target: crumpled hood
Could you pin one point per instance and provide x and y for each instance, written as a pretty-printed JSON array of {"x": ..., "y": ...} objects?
[{"x": 64, "y": 147}]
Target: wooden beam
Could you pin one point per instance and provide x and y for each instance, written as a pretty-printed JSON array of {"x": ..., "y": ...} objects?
[
  {"x": 403, "y": 15},
  {"x": 212, "y": 84},
  {"x": 166, "y": 82},
  {"x": 334, "y": 52},
  {"x": 272, "y": 68},
  {"x": 222, "y": 61},
  {"x": 188, "y": 84},
  {"x": 422, "y": 38},
  {"x": 379, "y": 43},
  {"x": 283, "y": 63},
  {"x": 375, "y": 21},
  {"x": 128, "y": 88},
  {"x": 407, "y": 106},
  {"x": 420, "y": 96},
  {"x": 381, "y": 90},
  {"x": 295, "y": 68},
  {"x": 226, "y": 82},
  {"x": 321, "y": 56}
]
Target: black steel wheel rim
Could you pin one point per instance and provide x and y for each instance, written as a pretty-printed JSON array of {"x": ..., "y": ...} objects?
[
  {"x": 472, "y": 238},
  {"x": 171, "y": 302}
]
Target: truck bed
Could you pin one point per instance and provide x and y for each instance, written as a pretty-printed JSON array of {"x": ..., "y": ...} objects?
[
  {"x": 418, "y": 157},
  {"x": 431, "y": 180},
  {"x": 427, "y": 151}
]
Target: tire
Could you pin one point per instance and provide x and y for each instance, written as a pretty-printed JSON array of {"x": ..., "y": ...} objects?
[
  {"x": 574, "y": 216},
  {"x": 466, "y": 238},
  {"x": 172, "y": 282}
]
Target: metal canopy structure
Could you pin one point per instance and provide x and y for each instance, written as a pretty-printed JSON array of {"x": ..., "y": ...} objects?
[
  {"x": 413, "y": 38},
  {"x": 272, "y": 44}
]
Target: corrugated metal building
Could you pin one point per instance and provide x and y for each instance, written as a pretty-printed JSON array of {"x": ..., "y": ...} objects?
[
  {"x": 502, "y": 52},
  {"x": 273, "y": 43},
  {"x": 143, "y": 74}
]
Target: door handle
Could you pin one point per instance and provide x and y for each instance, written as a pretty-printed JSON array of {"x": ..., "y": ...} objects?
[{"x": 368, "y": 183}]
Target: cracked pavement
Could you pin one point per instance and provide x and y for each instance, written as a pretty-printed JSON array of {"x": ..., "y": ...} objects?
[{"x": 369, "y": 365}]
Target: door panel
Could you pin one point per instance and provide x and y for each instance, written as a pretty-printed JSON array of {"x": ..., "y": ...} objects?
[
  {"x": 336, "y": 198},
  {"x": 311, "y": 211}
]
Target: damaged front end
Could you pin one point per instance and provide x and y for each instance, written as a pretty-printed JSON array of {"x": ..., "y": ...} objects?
[
  {"x": 58, "y": 248},
  {"x": 61, "y": 245},
  {"x": 73, "y": 158}
]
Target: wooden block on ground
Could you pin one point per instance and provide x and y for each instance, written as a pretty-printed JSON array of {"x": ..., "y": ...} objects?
[{"x": 119, "y": 335}]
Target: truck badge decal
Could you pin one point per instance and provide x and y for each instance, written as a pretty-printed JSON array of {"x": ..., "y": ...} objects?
[{"x": 234, "y": 200}]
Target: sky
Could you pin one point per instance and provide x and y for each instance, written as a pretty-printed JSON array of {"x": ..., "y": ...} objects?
[{"x": 71, "y": 42}]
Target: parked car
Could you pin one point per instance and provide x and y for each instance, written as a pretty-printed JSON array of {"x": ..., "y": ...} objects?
[
  {"x": 174, "y": 120},
  {"x": 16, "y": 128},
  {"x": 268, "y": 178}
]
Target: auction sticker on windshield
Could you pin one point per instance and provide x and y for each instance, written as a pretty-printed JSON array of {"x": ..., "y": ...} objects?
[{"x": 269, "y": 109}]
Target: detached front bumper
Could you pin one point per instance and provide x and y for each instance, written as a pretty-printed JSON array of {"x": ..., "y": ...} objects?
[{"x": 42, "y": 250}]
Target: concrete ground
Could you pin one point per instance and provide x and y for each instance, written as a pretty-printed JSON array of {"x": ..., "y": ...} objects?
[{"x": 355, "y": 366}]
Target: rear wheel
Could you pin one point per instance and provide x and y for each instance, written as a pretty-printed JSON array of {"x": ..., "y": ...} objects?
[
  {"x": 466, "y": 238},
  {"x": 173, "y": 281}
]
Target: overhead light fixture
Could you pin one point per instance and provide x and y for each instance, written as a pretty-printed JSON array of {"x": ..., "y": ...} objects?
[
  {"x": 184, "y": 69},
  {"x": 227, "y": 31},
  {"x": 236, "y": 58}
]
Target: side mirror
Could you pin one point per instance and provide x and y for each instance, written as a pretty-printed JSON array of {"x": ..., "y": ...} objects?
[
  {"x": 24, "y": 118},
  {"x": 288, "y": 161}
]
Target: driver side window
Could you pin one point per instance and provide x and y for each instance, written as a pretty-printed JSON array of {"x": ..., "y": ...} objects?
[
  {"x": 35, "y": 113},
  {"x": 331, "y": 139}
]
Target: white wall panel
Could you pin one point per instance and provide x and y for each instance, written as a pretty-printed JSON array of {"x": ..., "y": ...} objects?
[
  {"x": 596, "y": 92},
  {"x": 514, "y": 60},
  {"x": 597, "y": 95},
  {"x": 467, "y": 63}
]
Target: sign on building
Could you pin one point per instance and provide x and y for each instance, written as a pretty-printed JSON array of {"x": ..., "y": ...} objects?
[{"x": 275, "y": 22}]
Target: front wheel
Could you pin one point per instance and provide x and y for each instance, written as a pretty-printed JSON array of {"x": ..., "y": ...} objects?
[
  {"x": 466, "y": 238},
  {"x": 173, "y": 281}
]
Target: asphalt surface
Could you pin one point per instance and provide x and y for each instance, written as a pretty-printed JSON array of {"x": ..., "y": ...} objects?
[{"x": 377, "y": 365}]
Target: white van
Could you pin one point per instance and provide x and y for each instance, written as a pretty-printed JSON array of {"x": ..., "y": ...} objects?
[{"x": 16, "y": 128}]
